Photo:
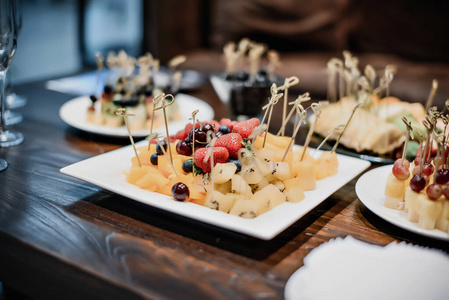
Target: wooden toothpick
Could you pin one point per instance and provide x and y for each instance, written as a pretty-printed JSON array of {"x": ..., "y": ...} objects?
[
  {"x": 273, "y": 61},
  {"x": 211, "y": 139},
  {"x": 346, "y": 126},
  {"x": 163, "y": 107},
  {"x": 302, "y": 119},
  {"x": 122, "y": 112},
  {"x": 316, "y": 109},
  {"x": 194, "y": 113},
  {"x": 432, "y": 94},
  {"x": 302, "y": 98},
  {"x": 269, "y": 108},
  {"x": 288, "y": 82},
  {"x": 330, "y": 133},
  {"x": 165, "y": 153},
  {"x": 155, "y": 101}
]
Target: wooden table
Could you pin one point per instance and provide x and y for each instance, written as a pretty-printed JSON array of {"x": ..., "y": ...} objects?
[{"x": 62, "y": 238}]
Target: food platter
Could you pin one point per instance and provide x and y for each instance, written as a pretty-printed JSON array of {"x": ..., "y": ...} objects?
[
  {"x": 370, "y": 189},
  {"x": 100, "y": 171},
  {"x": 73, "y": 113}
]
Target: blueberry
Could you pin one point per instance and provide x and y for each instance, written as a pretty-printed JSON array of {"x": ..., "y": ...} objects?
[
  {"x": 158, "y": 147},
  {"x": 187, "y": 166},
  {"x": 224, "y": 129},
  {"x": 107, "y": 89},
  {"x": 237, "y": 163},
  {"x": 153, "y": 159}
]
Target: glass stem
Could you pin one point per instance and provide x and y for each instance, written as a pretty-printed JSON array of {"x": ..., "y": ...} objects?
[{"x": 3, "y": 100}]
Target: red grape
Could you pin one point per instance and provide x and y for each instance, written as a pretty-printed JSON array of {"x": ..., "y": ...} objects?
[
  {"x": 180, "y": 191},
  {"x": 446, "y": 191},
  {"x": 401, "y": 170},
  {"x": 417, "y": 183},
  {"x": 184, "y": 148},
  {"x": 428, "y": 168},
  {"x": 442, "y": 176},
  {"x": 434, "y": 191}
]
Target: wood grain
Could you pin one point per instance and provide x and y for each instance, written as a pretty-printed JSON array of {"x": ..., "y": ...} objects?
[{"x": 61, "y": 237}]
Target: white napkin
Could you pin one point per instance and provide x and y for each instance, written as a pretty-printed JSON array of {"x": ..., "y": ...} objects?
[{"x": 351, "y": 269}]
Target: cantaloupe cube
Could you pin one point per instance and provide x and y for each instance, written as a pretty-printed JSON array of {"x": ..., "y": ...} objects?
[
  {"x": 244, "y": 209},
  {"x": 279, "y": 184},
  {"x": 164, "y": 166},
  {"x": 152, "y": 178},
  {"x": 305, "y": 171},
  {"x": 136, "y": 172},
  {"x": 295, "y": 194},
  {"x": 268, "y": 198},
  {"x": 144, "y": 155}
]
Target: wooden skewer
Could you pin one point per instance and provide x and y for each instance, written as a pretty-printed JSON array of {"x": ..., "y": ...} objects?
[
  {"x": 194, "y": 113},
  {"x": 155, "y": 101},
  {"x": 316, "y": 109},
  {"x": 122, "y": 112},
  {"x": 302, "y": 119},
  {"x": 336, "y": 128},
  {"x": 432, "y": 94},
  {"x": 168, "y": 159},
  {"x": 269, "y": 107},
  {"x": 346, "y": 126},
  {"x": 288, "y": 82},
  {"x": 304, "y": 97},
  {"x": 163, "y": 107},
  {"x": 409, "y": 134}
]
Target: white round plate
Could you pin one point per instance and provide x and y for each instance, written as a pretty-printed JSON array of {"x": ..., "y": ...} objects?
[
  {"x": 73, "y": 113},
  {"x": 370, "y": 189}
]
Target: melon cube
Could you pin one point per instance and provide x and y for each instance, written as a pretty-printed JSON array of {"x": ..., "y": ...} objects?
[
  {"x": 260, "y": 185},
  {"x": 264, "y": 154},
  {"x": 223, "y": 172},
  {"x": 240, "y": 186},
  {"x": 295, "y": 194},
  {"x": 251, "y": 174},
  {"x": 411, "y": 204},
  {"x": 218, "y": 201},
  {"x": 292, "y": 182},
  {"x": 326, "y": 165},
  {"x": 305, "y": 171},
  {"x": 281, "y": 170},
  {"x": 136, "y": 172},
  {"x": 394, "y": 187},
  {"x": 268, "y": 198},
  {"x": 224, "y": 188},
  {"x": 244, "y": 208}
]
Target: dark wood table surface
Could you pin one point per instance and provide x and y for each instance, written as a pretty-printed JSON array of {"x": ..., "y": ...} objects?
[{"x": 63, "y": 238}]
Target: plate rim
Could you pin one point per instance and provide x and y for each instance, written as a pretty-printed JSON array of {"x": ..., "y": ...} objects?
[
  {"x": 91, "y": 128},
  {"x": 378, "y": 209}
]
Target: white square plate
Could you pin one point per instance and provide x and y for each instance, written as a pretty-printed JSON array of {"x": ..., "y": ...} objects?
[{"x": 107, "y": 171}]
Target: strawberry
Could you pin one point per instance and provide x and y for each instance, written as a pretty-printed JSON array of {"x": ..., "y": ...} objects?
[
  {"x": 215, "y": 125},
  {"x": 232, "y": 124},
  {"x": 221, "y": 155},
  {"x": 232, "y": 142},
  {"x": 225, "y": 121},
  {"x": 245, "y": 128},
  {"x": 181, "y": 135}
]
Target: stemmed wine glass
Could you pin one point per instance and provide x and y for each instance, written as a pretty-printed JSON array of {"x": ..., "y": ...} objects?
[{"x": 8, "y": 45}]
